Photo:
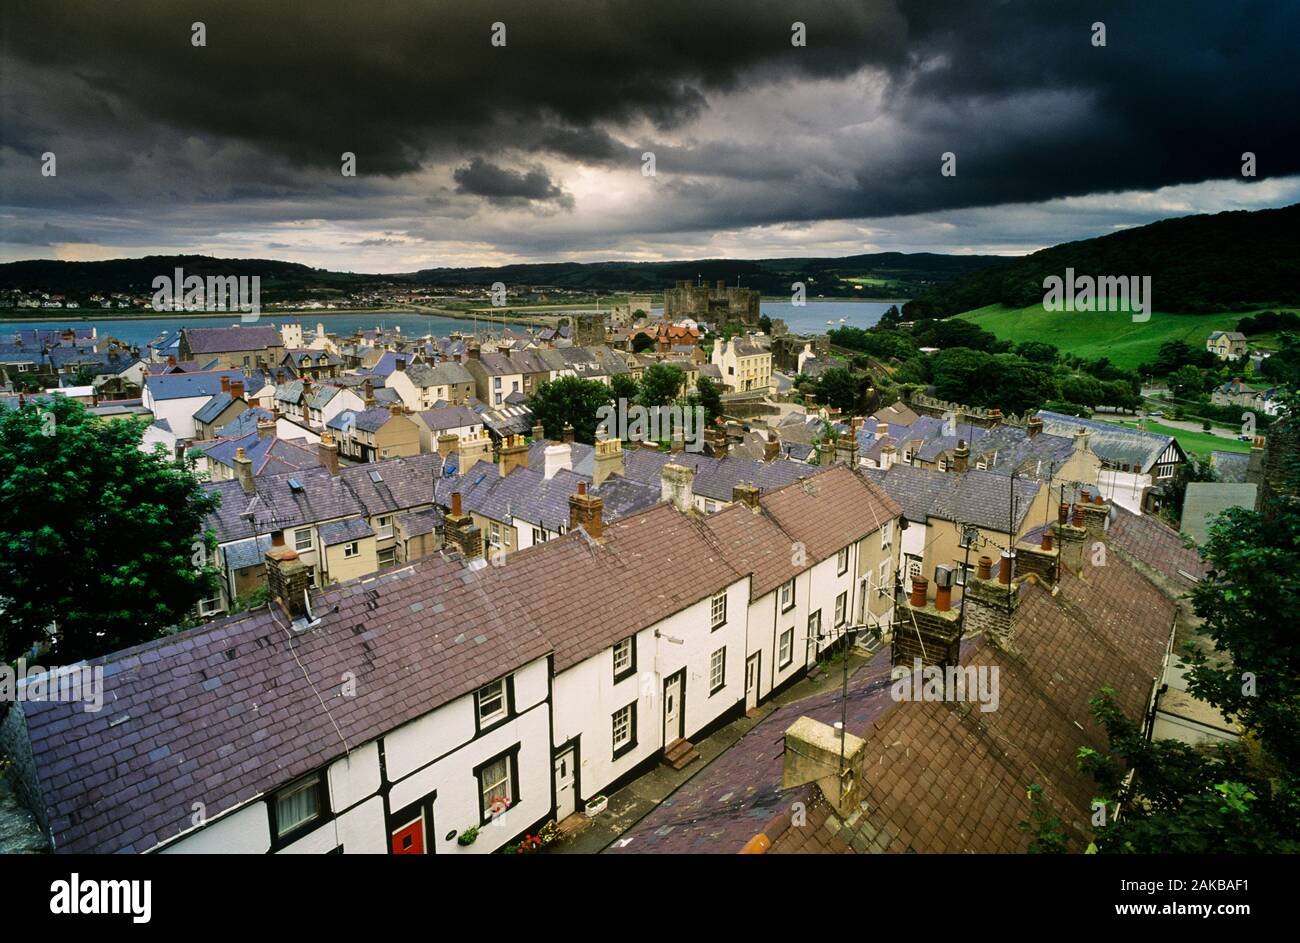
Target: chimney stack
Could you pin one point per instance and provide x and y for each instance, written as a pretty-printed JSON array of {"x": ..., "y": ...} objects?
[
  {"x": 225, "y": 383},
  {"x": 990, "y": 605},
  {"x": 586, "y": 511},
  {"x": 447, "y": 444},
  {"x": 287, "y": 578},
  {"x": 539, "y": 432},
  {"x": 676, "y": 485},
  {"x": 929, "y": 635},
  {"x": 1035, "y": 426},
  {"x": 566, "y": 434},
  {"x": 882, "y": 429},
  {"x": 608, "y": 460},
  {"x": 329, "y": 452},
  {"x": 244, "y": 470},
  {"x": 514, "y": 454},
  {"x": 266, "y": 428},
  {"x": 1095, "y": 517},
  {"x": 368, "y": 389},
  {"x": 460, "y": 532},
  {"x": 556, "y": 457},
  {"x": 746, "y": 494},
  {"x": 813, "y": 753},
  {"x": 772, "y": 447},
  {"x": 237, "y": 389},
  {"x": 1070, "y": 538},
  {"x": 960, "y": 456}
]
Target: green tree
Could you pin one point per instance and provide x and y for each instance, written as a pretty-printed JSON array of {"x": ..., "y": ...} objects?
[
  {"x": 660, "y": 384},
  {"x": 642, "y": 342},
  {"x": 839, "y": 388},
  {"x": 708, "y": 396},
  {"x": 622, "y": 386},
  {"x": 1242, "y": 796},
  {"x": 98, "y": 538},
  {"x": 570, "y": 400},
  {"x": 765, "y": 324}
]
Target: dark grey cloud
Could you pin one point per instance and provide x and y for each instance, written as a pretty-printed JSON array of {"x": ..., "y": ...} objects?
[
  {"x": 503, "y": 186},
  {"x": 157, "y": 137}
]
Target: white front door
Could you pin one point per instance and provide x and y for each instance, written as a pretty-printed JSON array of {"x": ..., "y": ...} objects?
[
  {"x": 672, "y": 709},
  {"x": 566, "y": 794},
  {"x": 751, "y": 680}
]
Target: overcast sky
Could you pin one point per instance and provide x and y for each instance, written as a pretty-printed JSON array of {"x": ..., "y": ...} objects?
[{"x": 470, "y": 154}]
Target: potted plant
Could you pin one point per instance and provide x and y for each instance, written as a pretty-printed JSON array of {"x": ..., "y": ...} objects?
[
  {"x": 596, "y": 805},
  {"x": 468, "y": 836}
]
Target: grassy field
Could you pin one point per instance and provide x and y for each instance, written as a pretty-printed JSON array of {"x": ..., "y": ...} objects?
[
  {"x": 1094, "y": 334},
  {"x": 1196, "y": 443}
]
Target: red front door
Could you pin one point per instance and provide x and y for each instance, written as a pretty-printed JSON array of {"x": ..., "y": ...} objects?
[{"x": 409, "y": 840}]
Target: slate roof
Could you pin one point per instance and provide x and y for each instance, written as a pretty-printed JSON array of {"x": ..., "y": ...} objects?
[
  {"x": 367, "y": 420},
  {"x": 447, "y": 373},
  {"x": 714, "y": 478},
  {"x": 404, "y": 483},
  {"x": 345, "y": 531},
  {"x": 233, "y": 709},
  {"x": 1115, "y": 445},
  {"x": 186, "y": 385},
  {"x": 219, "y": 340},
  {"x": 267, "y": 453},
  {"x": 449, "y": 417},
  {"x": 213, "y": 407},
  {"x": 420, "y": 522},
  {"x": 244, "y": 423},
  {"x": 977, "y": 497}
]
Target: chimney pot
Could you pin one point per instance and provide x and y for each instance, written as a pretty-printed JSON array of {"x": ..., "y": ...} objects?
[
  {"x": 1078, "y": 515},
  {"x": 919, "y": 586},
  {"x": 1063, "y": 513},
  {"x": 1047, "y": 540},
  {"x": 225, "y": 383},
  {"x": 984, "y": 568},
  {"x": 1004, "y": 568},
  {"x": 455, "y": 504}
]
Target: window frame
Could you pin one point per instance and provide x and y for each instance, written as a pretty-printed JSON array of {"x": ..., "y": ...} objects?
[
  {"x": 297, "y": 539},
  {"x": 886, "y": 534},
  {"x": 718, "y": 668},
  {"x": 511, "y": 758},
  {"x": 815, "y": 616},
  {"x": 882, "y": 578},
  {"x": 842, "y": 562},
  {"x": 629, "y": 744},
  {"x": 317, "y": 781},
  {"x": 630, "y": 669},
  {"x": 714, "y": 622},
  {"x": 506, "y": 711},
  {"x": 351, "y": 549},
  {"x": 842, "y": 609},
  {"x": 789, "y": 649},
  {"x": 787, "y": 585}
]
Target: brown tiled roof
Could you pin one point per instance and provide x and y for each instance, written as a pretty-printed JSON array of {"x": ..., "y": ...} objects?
[
  {"x": 1157, "y": 545},
  {"x": 589, "y": 595},
  {"x": 831, "y": 510},
  {"x": 946, "y": 777}
]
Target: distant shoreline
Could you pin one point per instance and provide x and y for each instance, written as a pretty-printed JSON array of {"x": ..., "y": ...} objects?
[{"x": 91, "y": 314}]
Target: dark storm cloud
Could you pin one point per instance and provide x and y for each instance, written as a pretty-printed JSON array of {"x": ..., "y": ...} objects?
[
  {"x": 258, "y": 119},
  {"x": 503, "y": 186}
]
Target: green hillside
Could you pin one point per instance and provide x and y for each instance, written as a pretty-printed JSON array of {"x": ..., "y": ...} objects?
[
  {"x": 1211, "y": 263},
  {"x": 1095, "y": 334}
]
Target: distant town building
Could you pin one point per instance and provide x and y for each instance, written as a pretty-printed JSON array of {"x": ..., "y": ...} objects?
[{"x": 1227, "y": 345}]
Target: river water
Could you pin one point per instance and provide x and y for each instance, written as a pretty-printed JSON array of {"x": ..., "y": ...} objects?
[{"x": 810, "y": 318}]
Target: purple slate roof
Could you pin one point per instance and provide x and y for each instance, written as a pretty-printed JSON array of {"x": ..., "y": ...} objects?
[
  {"x": 340, "y": 532},
  {"x": 218, "y": 340},
  {"x": 226, "y": 712},
  {"x": 186, "y": 385}
]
